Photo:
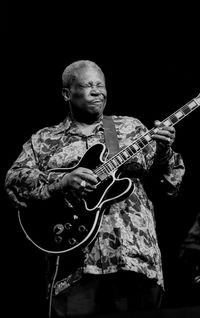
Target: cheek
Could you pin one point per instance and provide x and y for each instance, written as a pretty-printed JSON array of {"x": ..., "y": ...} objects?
[
  {"x": 78, "y": 98},
  {"x": 104, "y": 92},
  {"x": 78, "y": 95}
]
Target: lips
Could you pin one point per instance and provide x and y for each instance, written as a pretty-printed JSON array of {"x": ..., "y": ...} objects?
[{"x": 96, "y": 101}]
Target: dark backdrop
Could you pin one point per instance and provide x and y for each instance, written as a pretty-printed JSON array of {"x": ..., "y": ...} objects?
[{"x": 152, "y": 68}]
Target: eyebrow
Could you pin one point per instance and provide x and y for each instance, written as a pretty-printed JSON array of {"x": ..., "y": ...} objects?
[{"x": 92, "y": 83}]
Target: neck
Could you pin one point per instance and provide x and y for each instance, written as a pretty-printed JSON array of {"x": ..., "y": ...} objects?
[{"x": 86, "y": 120}]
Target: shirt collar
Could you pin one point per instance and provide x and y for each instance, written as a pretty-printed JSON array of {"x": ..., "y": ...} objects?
[{"x": 69, "y": 125}]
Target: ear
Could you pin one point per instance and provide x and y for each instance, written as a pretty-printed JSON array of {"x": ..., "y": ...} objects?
[{"x": 66, "y": 94}]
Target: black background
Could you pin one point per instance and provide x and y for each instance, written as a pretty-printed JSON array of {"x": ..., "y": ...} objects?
[{"x": 151, "y": 62}]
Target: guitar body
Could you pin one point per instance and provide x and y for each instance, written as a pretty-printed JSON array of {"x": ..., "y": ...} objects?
[{"x": 55, "y": 227}]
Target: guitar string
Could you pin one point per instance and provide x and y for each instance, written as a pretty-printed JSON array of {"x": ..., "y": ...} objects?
[
  {"x": 184, "y": 107},
  {"x": 104, "y": 168}
]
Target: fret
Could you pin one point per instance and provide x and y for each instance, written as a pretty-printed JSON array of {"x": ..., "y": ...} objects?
[
  {"x": 115, "y": 162},
  {"x": 193, "y": 104},
  {"x": 126, "y": 154},
  {"x": 173, "y": 119},
  {"x": 197, "y": 100},
  {"x": 147, "y": 137},
  {"x": 140, "y": 143},
  {"x": 123, "y": 155},
  {"x": 130, "y": 151},
  {"x": 135, "y": 146},
  {"x": 179, "y": 114},
  {"x": 112, "y": 164},
  {"x": 186, "y": 109},
  {"x": 105, "y": 169},
  {"x": 117, "y": 159},
  {"x": 121, "y": 160},
  {"x": 144, "y": 141},
  {"x": 167, "y": 122},
  {"x": 109, "y": 164}
]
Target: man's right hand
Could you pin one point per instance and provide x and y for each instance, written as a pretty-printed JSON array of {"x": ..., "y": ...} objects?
[{"x": 81, "y": 179}]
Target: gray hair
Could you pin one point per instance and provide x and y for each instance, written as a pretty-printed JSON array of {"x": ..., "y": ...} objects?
[{"x": 71, "y": 71}]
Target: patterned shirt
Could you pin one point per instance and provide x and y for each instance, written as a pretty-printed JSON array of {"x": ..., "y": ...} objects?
[{"x": 127, "y": 237}]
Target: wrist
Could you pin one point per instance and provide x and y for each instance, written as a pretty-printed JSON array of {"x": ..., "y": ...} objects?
[
  {"x": 55, "y": 187},
  {"x": 164, "y": 155},
  {"x": 58, "y": 185}
]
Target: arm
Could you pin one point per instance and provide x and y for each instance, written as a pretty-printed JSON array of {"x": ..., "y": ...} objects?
[
  {"x": 26, "y": 180},
  {"x": 168, "y": 166},
  {"x": 158, "y": 164}
]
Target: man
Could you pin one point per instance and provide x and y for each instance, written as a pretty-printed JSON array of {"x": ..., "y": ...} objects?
[{"x": 120, "y": 269}]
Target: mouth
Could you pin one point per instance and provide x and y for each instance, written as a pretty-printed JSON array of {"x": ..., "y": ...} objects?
[{"x": 96, "y": 102}]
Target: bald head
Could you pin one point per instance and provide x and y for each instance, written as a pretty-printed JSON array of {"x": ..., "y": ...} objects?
[{"x": 72, "y": 71}]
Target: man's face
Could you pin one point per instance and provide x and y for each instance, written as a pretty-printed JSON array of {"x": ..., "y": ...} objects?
[{"x": 88, "y": 94}]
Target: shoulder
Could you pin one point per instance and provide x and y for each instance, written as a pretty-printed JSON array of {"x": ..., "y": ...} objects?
[
  {"x": 127, "y": 123},
  {"x": 50, "y": 132}
]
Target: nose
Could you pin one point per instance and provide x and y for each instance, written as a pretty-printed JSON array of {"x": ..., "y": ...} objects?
[{"x": 95, "y": 91}]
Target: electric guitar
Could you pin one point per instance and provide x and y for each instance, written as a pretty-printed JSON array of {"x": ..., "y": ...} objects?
[{"x": 56, "y": 227}]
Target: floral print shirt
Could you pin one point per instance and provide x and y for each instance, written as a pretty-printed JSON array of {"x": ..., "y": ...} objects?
[{"x": 127, "y": 237}]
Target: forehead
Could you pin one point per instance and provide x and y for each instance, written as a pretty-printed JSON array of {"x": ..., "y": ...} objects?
[{"x": 89, "y": 74}]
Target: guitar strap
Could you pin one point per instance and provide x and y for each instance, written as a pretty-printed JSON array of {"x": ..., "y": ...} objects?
[{"x": 110, "y": 134}]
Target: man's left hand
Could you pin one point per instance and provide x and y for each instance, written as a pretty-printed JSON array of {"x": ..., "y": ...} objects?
[{"x": 163, "y": 134}]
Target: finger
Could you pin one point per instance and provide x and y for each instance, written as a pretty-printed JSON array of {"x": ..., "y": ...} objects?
[
  {"x": 87, "y": 174},
  {"x": 161, "y": 126},
  {"x": 162, "y": 133},
  {"x": 86, "y": 171},
  {"x": 157, "y": 123},
  {"x": 166, "y": 131},
  {"x": 89, "y": 179},
  {"x": 87, "y": 188},
  {"x": 169, "y": 129},
  {"x": 90, "y": 186},
  {"x": 161, "y": 138},
  {"x": 85, "y": 192},
  {"x": 92, "y": 179},
  {"x": 86, "y": 185}
]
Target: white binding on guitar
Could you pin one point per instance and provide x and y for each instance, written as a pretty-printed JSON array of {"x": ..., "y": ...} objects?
[{"x": 59, "y": 228}]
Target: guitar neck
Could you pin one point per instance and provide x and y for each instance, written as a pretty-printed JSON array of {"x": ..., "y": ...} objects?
[{"x": 132, "y": 150}]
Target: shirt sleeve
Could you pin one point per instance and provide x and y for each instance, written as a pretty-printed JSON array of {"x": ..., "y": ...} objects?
[
  {"x": 166, "y": 172},
  {"x": 26, "y": 180}
]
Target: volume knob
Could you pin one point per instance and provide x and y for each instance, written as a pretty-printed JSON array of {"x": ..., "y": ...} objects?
[
  {"x": 58, "y": 239},
  {"x": 58, "y": 228},
  {"x": 82, "y": 228},
  {"x": 72, "y": 241},
  {"x": 68, "y": 226}
]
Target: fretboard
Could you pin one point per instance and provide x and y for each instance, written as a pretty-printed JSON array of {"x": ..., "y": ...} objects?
[{"x": 132, "y": 150}]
